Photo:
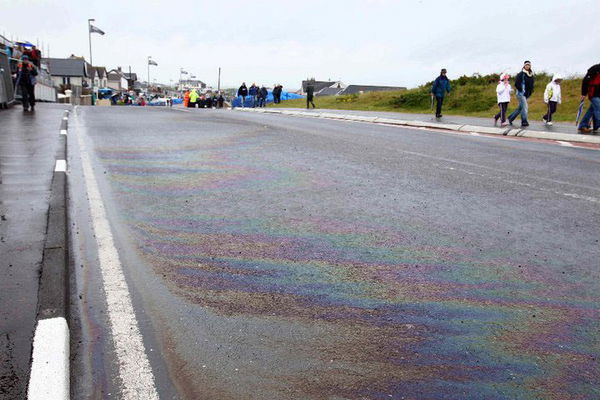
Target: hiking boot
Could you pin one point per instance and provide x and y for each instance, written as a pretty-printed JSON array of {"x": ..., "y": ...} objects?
[
  {"x": 549, "y": 123},
  {"x": 524, "y": 124},
  {"x": 495, "y": 121},
  {"x": 585, "y": 130},
  {"x": 504, "y": 125}
]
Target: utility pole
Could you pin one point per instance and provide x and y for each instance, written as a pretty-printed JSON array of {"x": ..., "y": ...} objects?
[
  {"x": 219, "y": 82},
  {"x": 149, "y": 57}
]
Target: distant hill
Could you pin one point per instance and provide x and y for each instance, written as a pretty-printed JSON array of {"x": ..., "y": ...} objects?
[{"x": 471, "y": 95}]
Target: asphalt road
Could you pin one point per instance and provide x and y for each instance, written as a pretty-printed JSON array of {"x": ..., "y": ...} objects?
[{"x": 271, "y": 257}]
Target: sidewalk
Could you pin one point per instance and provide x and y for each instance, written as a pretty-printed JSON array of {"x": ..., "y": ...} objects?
[
  {"x": 562, "y": 127},
  {"x": 29, "y": 143},
  {"x": 537, "y": 129}
]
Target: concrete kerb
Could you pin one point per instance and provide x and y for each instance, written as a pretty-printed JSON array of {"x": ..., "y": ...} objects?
[
  {"x": 484, "y": 129},
  {"x": 567, "y": 137},
  {"x": 49, "y": 378},
  {"x": 509, "y": 131}
]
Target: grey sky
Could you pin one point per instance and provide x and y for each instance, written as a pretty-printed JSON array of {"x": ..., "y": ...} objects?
[{"x": 384, "y": 42}]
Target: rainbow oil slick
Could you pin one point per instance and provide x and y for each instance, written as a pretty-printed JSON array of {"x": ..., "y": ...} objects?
[{"x": 407, "y": 310}]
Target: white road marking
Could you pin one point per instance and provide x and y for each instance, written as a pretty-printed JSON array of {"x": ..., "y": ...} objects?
[
  {"x": 49, "y": 377},
  {"x": 60, "y": 166},
  {"x": 563, "y": 143},
  {"x": 63, "y": 131},
  {"x": 134, "y": 368}
]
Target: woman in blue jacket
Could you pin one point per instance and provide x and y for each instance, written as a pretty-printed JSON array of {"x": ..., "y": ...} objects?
[{"x": 440, "y": 87}]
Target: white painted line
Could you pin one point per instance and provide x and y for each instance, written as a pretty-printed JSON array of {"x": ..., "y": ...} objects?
[
  {"x": 49, "y": 377},
  {"x": 60, "y": 166},
  {"x": 563, "y": 143},
  {"x": 134, "y": 368},
  {"x": 63, "y": 131}
]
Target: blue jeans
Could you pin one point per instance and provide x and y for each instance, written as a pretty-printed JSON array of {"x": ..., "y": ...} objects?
[
  {"x": 523, "y": 109},
  {"x": 593, "y": 111}
]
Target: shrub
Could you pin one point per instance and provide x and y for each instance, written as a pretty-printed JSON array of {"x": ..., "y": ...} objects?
[{"x": 348, "y": 98}]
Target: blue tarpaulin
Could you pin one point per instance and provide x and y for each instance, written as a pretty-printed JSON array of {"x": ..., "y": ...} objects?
[{"x": 237, "y": 102}]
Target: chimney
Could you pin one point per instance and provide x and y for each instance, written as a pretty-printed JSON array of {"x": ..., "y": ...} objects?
[{"x": 119, "y": 69}]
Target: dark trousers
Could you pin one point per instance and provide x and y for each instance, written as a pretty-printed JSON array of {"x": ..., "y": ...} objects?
[
  {"x": 502, "y": 113},
  {"x": 551, "y": 110},
  {"x": 309, "y": 100},
  {"x": 261, "y": 101},
  {"x": 438, "y": 106},
  {"x": 27, "y": 95}
]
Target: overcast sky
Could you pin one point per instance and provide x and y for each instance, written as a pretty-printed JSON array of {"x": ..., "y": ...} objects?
[{"x": 379, "y": 42}]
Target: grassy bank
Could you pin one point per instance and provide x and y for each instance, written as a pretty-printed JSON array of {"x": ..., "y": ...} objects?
[{"x": 471, "y": 96}]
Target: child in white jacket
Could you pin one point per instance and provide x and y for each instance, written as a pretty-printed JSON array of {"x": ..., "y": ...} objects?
[
  {"x": 552, "y": 97},
  {"x": 503, "y": 91}
]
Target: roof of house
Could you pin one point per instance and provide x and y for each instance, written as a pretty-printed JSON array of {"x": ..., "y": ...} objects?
[
  {"x": 318, "y": 85},
  {"x": 329, "y": 91},
  {"x": 133, "y": 76},
  {"x": 352, "y": 89},
  {"x": 114, "y": 75},
  {"x": 101, "y": 72},
  {"x": 66, "y": 67}
]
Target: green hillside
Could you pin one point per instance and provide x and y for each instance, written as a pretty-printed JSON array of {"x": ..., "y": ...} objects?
[{"x": 471, "y": 96}]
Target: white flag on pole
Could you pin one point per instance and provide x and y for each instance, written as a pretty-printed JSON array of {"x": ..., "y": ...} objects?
[
  {"x": 94, "y": 29},
  {"x": 152, "y": 62}
]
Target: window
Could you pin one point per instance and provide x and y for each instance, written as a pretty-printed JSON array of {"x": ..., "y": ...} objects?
[{"x": 66, "y": 80}]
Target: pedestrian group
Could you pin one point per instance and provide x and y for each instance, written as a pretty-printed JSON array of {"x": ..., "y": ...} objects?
[{"x": 524, "y": 86}]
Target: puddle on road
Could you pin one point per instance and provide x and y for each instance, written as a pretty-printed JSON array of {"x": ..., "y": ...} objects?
[{"x": 301, "y": 286}]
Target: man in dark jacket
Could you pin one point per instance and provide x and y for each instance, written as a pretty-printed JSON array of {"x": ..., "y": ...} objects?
[
  {"x": 524, "y": 86},
  {"x": 253, "y": 93},
  {"x": 440, "y": 87},
  {"x": 25, "y": 75},
  {"x": 310, "y": 95},
  {"x": 243, "y": 92},
  {"x": 590, "y": 87},
  {"x": 263, "y": 93},
  {"x": 277, "y": 94}
]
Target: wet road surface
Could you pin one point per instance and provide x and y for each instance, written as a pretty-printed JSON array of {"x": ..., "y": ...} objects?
[
  {"x": 275, "y": 257},
  {"x": 28, "y": 146}
]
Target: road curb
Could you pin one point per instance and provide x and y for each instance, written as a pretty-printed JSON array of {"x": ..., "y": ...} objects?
[
  {"x": 49, "y": 378},
  {"x": 509, "y": 131}
]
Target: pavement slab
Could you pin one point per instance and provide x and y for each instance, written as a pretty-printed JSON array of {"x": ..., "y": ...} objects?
[{"x": 28, "y": 145}]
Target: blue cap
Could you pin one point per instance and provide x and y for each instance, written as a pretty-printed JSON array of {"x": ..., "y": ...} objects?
[{"x": 24, "y": 57}]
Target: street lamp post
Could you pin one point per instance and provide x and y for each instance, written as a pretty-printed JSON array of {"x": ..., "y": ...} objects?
[
  {"x": 149, "y": 57},
  {"x": 90, "y": 20}
]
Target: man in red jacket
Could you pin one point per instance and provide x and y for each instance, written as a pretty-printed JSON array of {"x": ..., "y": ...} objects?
[
  {"x": 25, "y": 75},
  {"x": 590, "y": 87}
]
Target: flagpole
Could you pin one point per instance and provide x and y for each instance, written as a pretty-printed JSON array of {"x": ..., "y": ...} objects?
[
  {"x": 149, "y": 75},
  {"x": 90, "y": 38}
]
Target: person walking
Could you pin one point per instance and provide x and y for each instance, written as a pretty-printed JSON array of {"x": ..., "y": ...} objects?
[
  {"x": 243, "y": 92},
  {"x": 524, "y": 82},
  {"x": 503, "y": 91},
  {"x": 25, "y": 80},
  {"x": 590, "y": 87},
  {"x": 194, "y": 96},
  {"x": 262, "y": 96},
  {"x": 552, "y": 97},
  {"x": 440, "y": 87},
  {"x": 310, "y": 95},
  {"x": 277, "y": 93},
  {"x": 253, "y": 93}
]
